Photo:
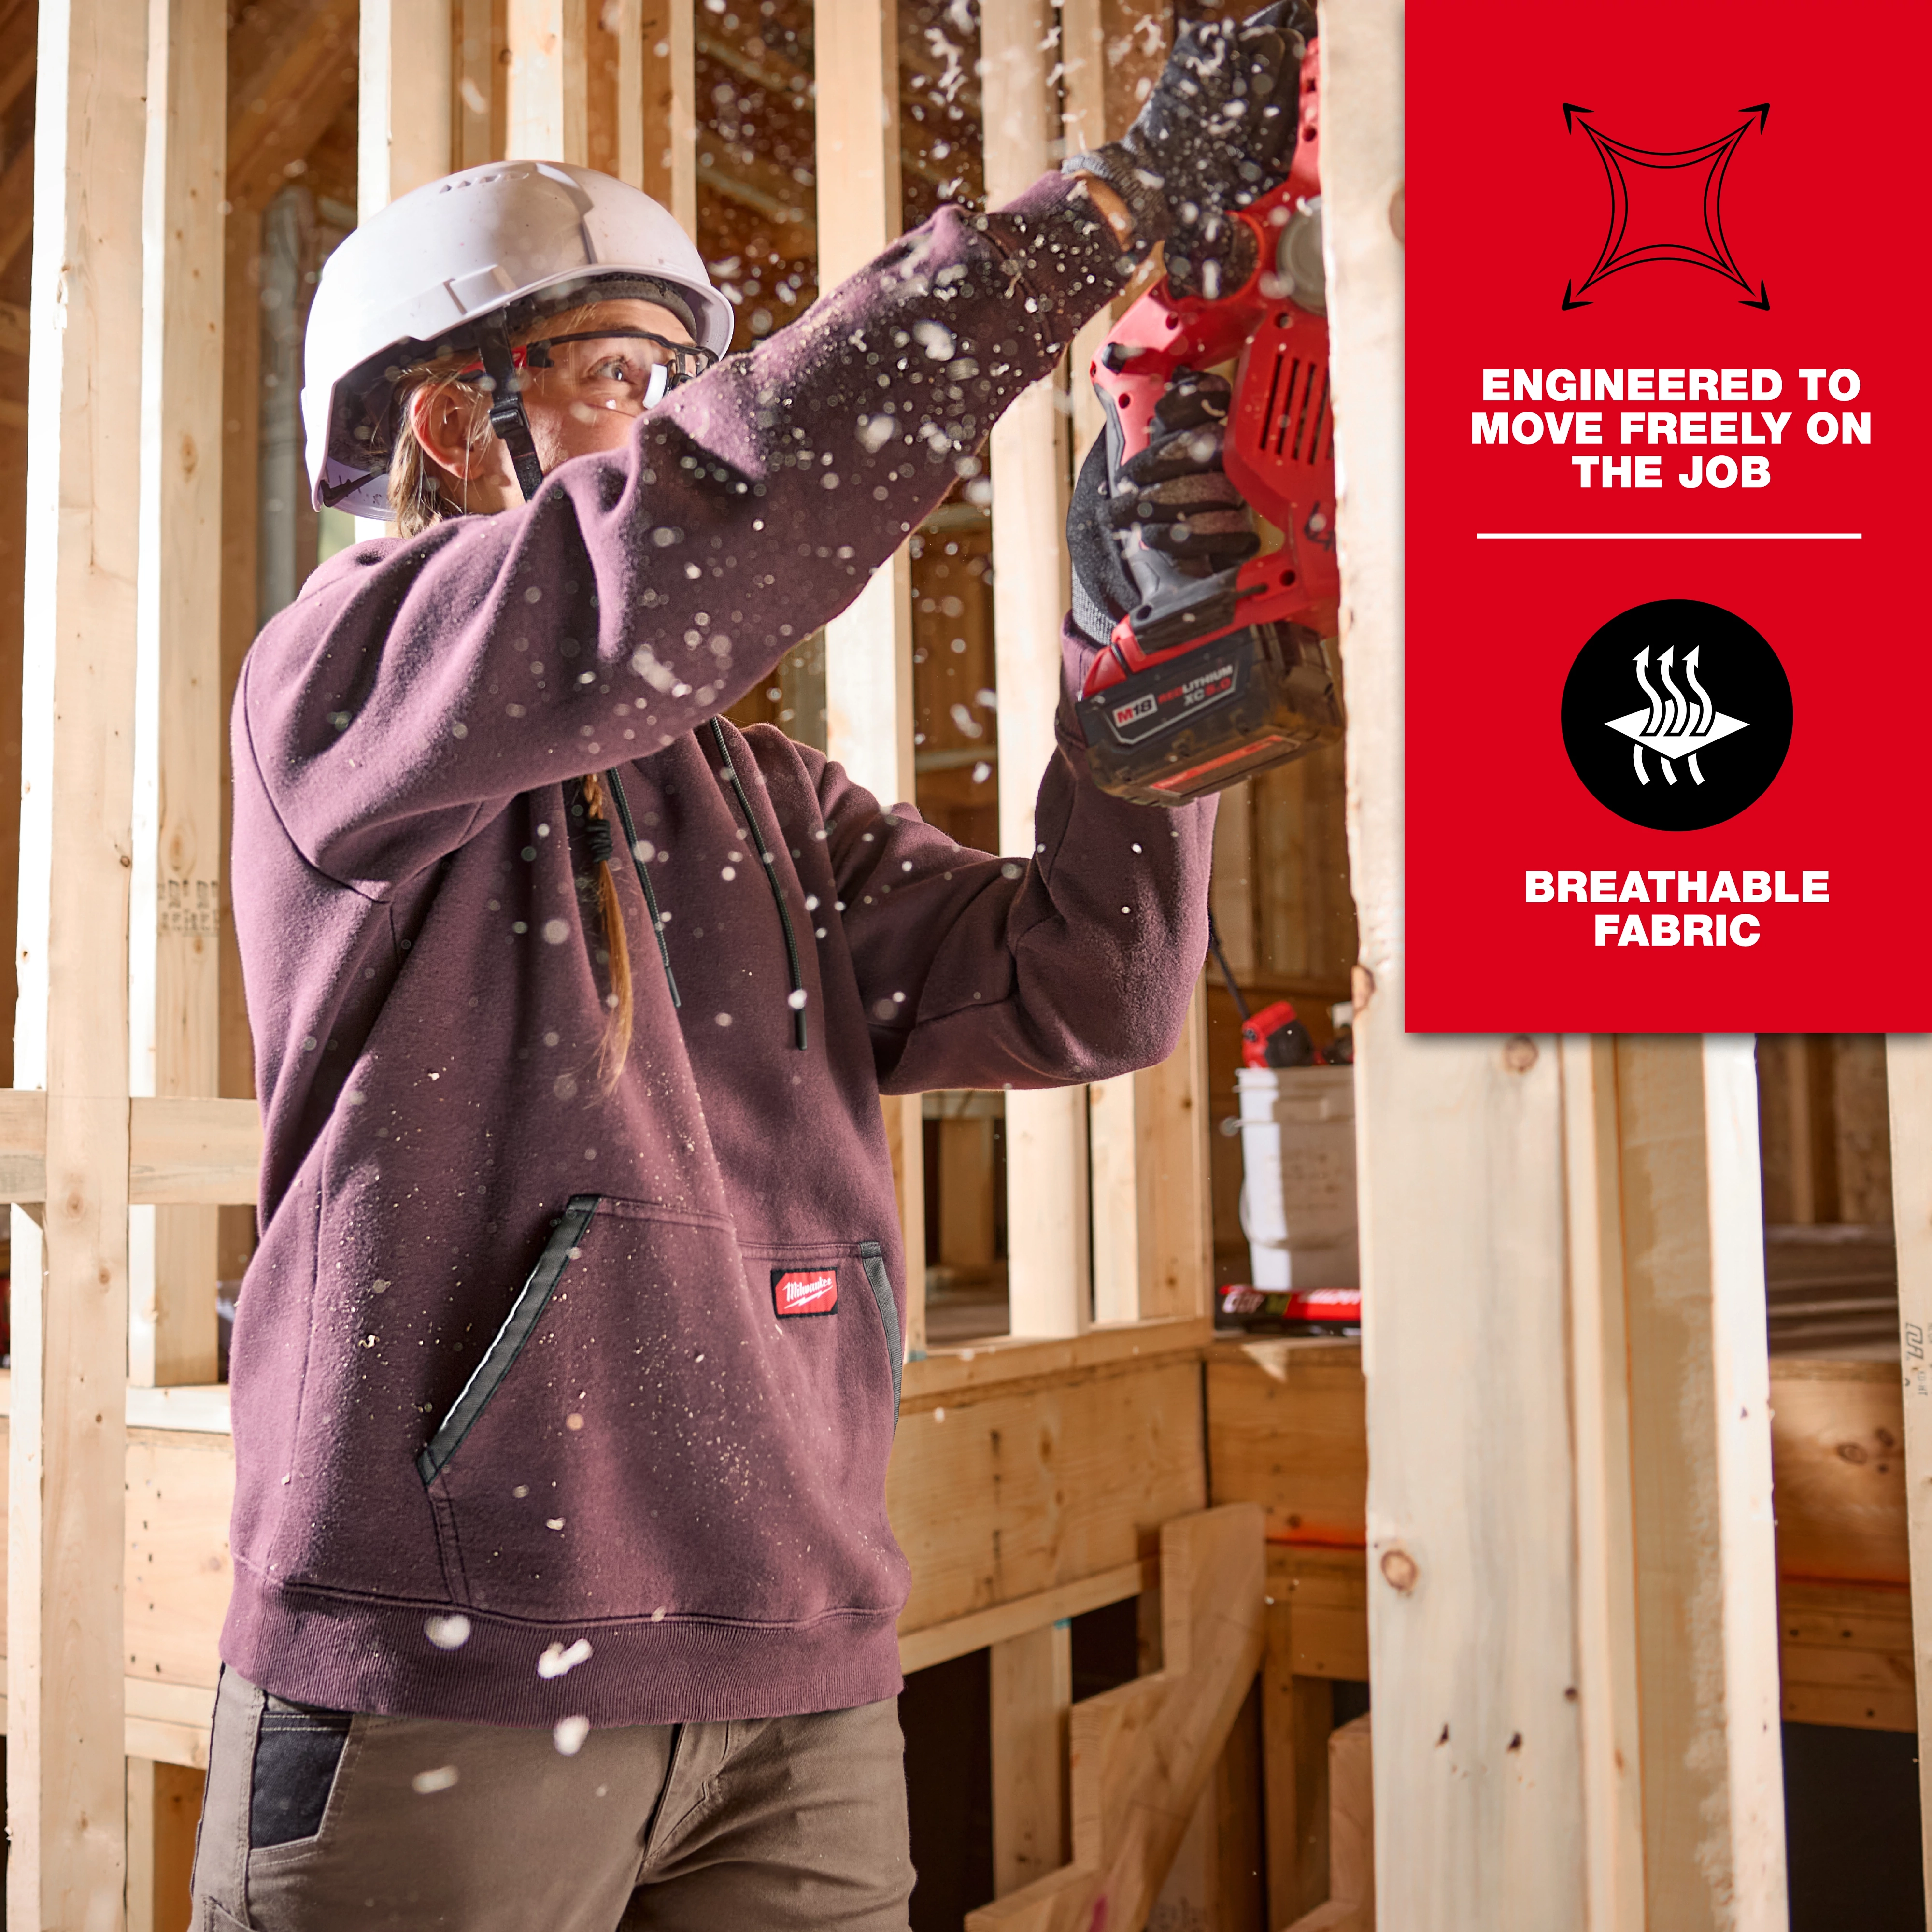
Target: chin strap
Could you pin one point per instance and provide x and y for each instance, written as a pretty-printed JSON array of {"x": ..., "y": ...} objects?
[{"x": 506, "y": 406}]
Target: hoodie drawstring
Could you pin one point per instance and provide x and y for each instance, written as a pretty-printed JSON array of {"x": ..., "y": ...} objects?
[
  {"x": 623, "y": 804},
  {"x": 600, "y": 837},
  {"x": 797, "y": 1002}
]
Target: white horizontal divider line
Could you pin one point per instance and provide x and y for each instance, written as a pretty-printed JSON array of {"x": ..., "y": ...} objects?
[{"x": 1670, "y": 536}]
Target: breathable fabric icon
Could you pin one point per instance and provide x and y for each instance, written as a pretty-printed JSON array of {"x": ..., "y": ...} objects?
[
  {"x": 1673, "y": 726},
  {"x": 1676, "y": 762}
]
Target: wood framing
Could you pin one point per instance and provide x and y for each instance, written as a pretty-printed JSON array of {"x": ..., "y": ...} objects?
[
  {"x": 1049, "y": 1291},
  {"x": 549, "y": 107},
  {"x": 174, "y": 953},
  {"x": 657, "y": 96},
  {"x": 1909, "y": 1076},
  {"x": 403, "y": 127},
  {"x": 1142, "y": 1755},
  {"x": 1032, "y": 1680},
  {"x": 869, "y": 647},
  {"x": 67, "y": 1784}
]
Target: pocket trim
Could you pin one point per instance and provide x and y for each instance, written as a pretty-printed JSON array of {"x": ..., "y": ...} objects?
[
  {"x": 872, "y": 1259},
  {"x": 500, "y": 1357}
]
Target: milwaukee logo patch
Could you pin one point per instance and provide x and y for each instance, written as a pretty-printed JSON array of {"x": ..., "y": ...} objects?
[{"x": 805, "y": 1291}]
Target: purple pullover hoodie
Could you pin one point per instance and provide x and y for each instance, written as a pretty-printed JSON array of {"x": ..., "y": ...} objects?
[{"x": 550, "y": 1401}]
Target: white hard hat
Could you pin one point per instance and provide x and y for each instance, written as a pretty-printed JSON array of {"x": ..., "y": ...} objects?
[{"x": 404, "y": 286}]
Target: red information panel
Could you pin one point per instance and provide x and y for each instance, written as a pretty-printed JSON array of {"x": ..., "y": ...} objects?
[{"x": 1668, "y": 686}]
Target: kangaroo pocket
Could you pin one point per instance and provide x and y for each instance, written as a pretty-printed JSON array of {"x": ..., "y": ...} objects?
[{"x": 669, "y": 1425}]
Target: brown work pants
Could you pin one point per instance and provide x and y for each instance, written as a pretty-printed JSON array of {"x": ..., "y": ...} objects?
[{"x": 319, "y": 1821}]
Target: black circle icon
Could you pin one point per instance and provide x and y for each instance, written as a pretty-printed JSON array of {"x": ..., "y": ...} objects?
[{"x": 1677, "y": 714}]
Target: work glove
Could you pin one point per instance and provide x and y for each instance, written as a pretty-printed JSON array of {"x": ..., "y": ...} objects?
[
  {"x": 1217, "y": 132},
  {"x": 1175, "y": 495}
]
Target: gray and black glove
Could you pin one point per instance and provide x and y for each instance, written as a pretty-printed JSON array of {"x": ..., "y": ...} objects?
[
  {"x": 1217, "y": 132},
  {"x": 1170, "y": 510},
  {"x": 1175, "y": 492}
]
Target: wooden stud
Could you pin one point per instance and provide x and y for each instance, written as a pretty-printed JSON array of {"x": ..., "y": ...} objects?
[
  {"x": 548, "y": 109},
  {"x": 1083, "y": 86},
  {"x": 67, "y": 1786},
  {"x": 1032, "y": 1691},
  {"x": 1607, "y": 1661},
  {"x": 175, "y": 1010},
  {"x": 1471, "y": 1617},
  {"x": 1141, "y": 1755},
  {"x": 869, "y": 647},
  {"x": 476, "y": 110},
  {"x": 1298, "y": 1714},
  {"x": 657, "y": 88},
  {"x": 1700, "y": 1454},
  {"x": 1351, "y": 1906},
  {"x": 1170, "y": 1175},
  {"x": 1234, "y": 880},
  {"x": 403, "y": 125},
  {"x": 1908, "y": 1066},
  {"x": 1114, "y": 1178},
  {"x": 164, "y": 1804},
  {"x": 1048, "y": 1289},
  {"x": 966, "y": 1220}
]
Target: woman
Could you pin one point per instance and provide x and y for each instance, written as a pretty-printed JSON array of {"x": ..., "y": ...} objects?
[{"x": 567, "y": 1370}]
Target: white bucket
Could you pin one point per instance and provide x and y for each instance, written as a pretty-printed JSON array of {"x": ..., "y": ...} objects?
[{"x": 1298, "y": 1176}]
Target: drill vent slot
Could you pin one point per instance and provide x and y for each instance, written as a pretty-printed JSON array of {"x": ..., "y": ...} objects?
[{"x": 1296, "y": 422}]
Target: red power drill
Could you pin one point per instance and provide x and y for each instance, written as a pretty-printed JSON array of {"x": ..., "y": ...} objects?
[{"x": 1210, "y": 678}]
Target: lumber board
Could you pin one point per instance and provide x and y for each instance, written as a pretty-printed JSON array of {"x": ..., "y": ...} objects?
[
  {"x": 868, "y": 673},
  {"x": 167, "y": 1724},
  {"x": 184, "y": 1149},
  {"x": 174, "y": 953},
  {"x": 1217, "y": 1878},
  {"x": 1015, "y": 1362},
  {"x": 1909, "y": 1082},
  {"x": 1351, "y": 1825},
  {"x": 1287, "y": 1428},
  {"x": 1838, "y": 1450},
  {"x": 66, "y": 1786},
  {"x": 1049, "y": 1289},
  {"x": 980, "y": 1630},
  {"x": 1170, "y": 1126},
  {"x": 1030, "y": 1680},
  {"x": 1141, "y": 1755},
  {"x": 659, "y": 113},
  {"x": 1700, "y": 1438},
  {"x": 180, "y": 1150},
  {"x": 1608, "y": 1686},
  {"x": 547, "y": 116},
  {"x": 403, "y": 132},
  {"x": 1297, "y": 1715},
  {"x": 1010, "y": 1495},
  {"x": 1113, "y": 1199},
  {"x": 1324, "y": 1594},
  {"x": 163, "y": 1807},
  {"x": 1846, "y": 1654}
]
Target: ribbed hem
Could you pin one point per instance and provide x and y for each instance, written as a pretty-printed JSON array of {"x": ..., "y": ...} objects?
[{"x": 349, "y": 1653}]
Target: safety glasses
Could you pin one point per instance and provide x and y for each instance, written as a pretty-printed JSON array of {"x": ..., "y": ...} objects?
[{"x": 630, "y": 370}]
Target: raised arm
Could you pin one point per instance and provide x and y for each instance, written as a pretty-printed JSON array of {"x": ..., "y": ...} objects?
[{"x": 417, "y": 685}]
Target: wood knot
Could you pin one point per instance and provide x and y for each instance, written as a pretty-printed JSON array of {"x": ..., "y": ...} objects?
[
  {"x": 1399, "y": 1569},
  {"x": 1519, "y": 1053}
]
